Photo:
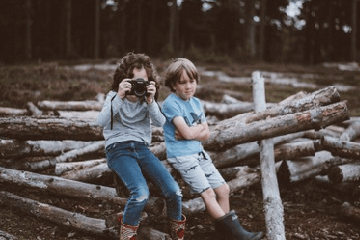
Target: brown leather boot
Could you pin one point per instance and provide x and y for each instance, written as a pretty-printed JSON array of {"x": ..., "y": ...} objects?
[
  {"x": 127, "y": 232},
  {"x": 177, "y": 228}
]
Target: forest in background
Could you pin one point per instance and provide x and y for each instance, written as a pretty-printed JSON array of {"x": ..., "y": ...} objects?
[{"x": 240, "y": 30}]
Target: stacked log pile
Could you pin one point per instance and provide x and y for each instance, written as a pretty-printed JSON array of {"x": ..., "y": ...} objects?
[{"x": 312, "y": 134}]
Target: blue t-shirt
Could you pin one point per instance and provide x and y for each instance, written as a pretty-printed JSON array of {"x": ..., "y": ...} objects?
[{"x": 193, "y": 114}]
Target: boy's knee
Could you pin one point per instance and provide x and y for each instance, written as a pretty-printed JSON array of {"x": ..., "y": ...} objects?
[
  {"x": 223, "y": 191},
  {"x": 208, "y": 194}
]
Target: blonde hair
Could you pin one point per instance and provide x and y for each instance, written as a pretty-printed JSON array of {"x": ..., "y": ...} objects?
[{"x": 174, "y": 71}]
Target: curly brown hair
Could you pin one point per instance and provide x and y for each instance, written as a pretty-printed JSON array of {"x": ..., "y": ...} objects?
[{"x": 133, "y": 61}]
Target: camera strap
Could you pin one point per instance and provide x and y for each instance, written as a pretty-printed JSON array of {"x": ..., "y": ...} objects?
[{"x": 112, "y": 113}]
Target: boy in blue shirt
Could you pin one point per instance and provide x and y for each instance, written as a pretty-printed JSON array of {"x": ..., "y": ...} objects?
[{"x": 184, "y": 130}]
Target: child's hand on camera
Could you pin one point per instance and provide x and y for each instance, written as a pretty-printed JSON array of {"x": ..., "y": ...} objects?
[
  {"x": 124, "y": 87},
  {"x": 151, "y": 90}
]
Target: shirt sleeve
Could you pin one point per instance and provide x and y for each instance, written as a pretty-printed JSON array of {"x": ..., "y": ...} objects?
[{"x": 171, "y": 110}]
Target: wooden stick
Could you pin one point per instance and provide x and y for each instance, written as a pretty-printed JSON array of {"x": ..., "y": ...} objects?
[{"x": 274, "y": 210}]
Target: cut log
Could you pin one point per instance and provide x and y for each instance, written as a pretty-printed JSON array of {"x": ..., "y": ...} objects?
[
  {"x": 344, "y": 173},
  {"x": 350, "y": 211},
  {"x": 345, "y": 188},
  {"x": 225, "y": 110},
  {"x": 49, "y": 128},
  {"x": 320, "y": 134},
  {"x": 57, "y": 215},
  {"x": 89, "y": 116},
  {"x": 33, "y": 109},
  {"x": 60, "y": 168},
  {"x": 273, "y": 208},
  {"x": 17, "y": 149},
  {"x": 222, "y": 137},
  {"x": 12, "y": 111},
  {"x": 99, "y": 174},
  {"x": 229, "y": 99},
  {"x": 341, "y": 148},
  {"x": 294, "y": 150},
  {"x": 70, "y": 105},
  {"x": 322, "y": 97},
  {"x": 308, "y": 167},
  {"x": 244, "y": 178},
  {"x": 54, "y": 128},
  {"x": 351, "y": 133},
  {"x": 292, "y": 98},
  {"x": 7, "y": 236},
  {"x": 69, "y": 188},
  {"x": 66, "y": 157}
]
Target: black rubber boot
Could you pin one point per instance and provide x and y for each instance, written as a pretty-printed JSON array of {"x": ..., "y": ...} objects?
[{"x": 228, "y": 227}]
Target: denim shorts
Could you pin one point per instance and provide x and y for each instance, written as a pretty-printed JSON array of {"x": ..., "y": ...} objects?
[{"x": 198, "y": 171}]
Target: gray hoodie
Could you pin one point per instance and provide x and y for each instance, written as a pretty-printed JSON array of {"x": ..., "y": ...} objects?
[{"x": 131, "y": 120}]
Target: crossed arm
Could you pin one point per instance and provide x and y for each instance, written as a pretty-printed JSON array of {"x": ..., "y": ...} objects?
[{"x": 199, "y": 132}]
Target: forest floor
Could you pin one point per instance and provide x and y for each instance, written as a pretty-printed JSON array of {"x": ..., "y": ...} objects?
[{"x": 310, "y": 211}]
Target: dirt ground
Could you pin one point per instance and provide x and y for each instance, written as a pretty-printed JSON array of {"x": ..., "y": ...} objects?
[{"x": 311, "y": 211}]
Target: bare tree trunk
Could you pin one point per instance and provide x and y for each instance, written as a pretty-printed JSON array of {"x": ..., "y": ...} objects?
[
  {"x": 251, "y": 28},
  {"x": 173, "y": 14},
  {"x": 262, "y": 29},
  {"x": 28, "y": 29},
  {"x": 139, "y": 26},
  {"x": 353, "y": 31},
  {"x": 97, "y": 28},
  {"x": 68, "y": 29},
  {"x": 274, "y": 210}
]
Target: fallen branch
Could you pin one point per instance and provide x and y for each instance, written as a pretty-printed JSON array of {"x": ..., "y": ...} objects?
[
  {"x": 344, "y": 173},
  {"x": 58, "y": 215},
  {"x": 70, "y": 105},
  {"x": 17, "y": 149},
  {"x": 66, "y": 157},
  {"x": 222, "y": 137}
]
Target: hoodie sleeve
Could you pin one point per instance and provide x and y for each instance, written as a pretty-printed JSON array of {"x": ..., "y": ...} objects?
[
  {"x": 104, "y": 116},
  {"x": 156, "y": 116}
]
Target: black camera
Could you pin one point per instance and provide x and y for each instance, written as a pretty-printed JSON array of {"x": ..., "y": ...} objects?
[{"x": 138, "y": 87}]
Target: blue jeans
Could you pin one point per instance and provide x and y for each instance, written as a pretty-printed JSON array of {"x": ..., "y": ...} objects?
[{"x": 130, "y": 160}]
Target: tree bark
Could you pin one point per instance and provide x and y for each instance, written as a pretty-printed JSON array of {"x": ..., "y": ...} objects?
[
  {"x": 341, "y": 148},
  {"x": 58, "y": 215},
  {"x": 223, "y": 137},
  {"x": 322, "y": 97},
  {"x": 344, "y": 173},
  {"x": 12, "y": 111},
  {"x": 49, "y": 128},
  {"x": 7, "y": 236},
  {"x": 351, "y": 133},
  {"x": 87, "y": 105},
  {"x": 61, "y": 168},
  {"x": 273, "y": 208},
  {"x": 66, "y": 157},
  {"x": 308, "y": 167},
  {"x": 17, "y": 149}
]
